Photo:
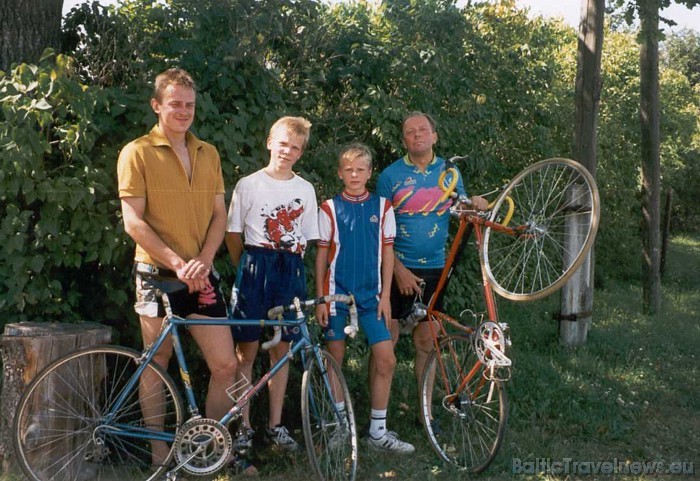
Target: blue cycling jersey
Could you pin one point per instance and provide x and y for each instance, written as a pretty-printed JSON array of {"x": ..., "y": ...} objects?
[
  {"x": 354, "y": 229},
  {"x": 422, "y": 221}
]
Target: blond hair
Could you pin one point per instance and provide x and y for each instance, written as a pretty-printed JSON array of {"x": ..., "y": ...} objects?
[
  {"x": 354, "y": 151},
  {"x": 298, "y": 126}
]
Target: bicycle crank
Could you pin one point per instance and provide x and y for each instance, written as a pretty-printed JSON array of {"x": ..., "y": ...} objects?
[{"x": 202, "y": 446}]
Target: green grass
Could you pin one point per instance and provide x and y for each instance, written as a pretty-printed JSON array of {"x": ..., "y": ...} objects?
[{"x": 630, "y": 393}]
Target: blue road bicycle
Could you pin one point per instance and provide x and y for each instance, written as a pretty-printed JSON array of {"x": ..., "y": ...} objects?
[{"x": 81, "y": 418}]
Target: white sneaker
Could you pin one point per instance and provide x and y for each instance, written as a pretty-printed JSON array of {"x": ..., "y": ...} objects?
[
  {"x": 391, "y": 443},
  {"x": 279, "y": 436}
]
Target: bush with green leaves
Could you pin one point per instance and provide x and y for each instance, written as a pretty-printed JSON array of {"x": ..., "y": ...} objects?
[{"x": 60, "y": 236}]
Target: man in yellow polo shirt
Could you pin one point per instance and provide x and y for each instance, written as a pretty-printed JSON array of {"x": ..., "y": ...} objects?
[{"x": 172, "y": 196}]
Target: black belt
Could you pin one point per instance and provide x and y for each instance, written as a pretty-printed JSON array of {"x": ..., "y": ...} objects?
[
  {"x": 270, "y": 251},
  {"x": 151, "y": 270}
]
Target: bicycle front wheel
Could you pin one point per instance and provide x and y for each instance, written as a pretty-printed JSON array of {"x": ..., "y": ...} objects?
[
  {"x": 557, "y": 209},
  {"x": 80, "y": 418},
  {"x": 464, "y": 414},
  {"x": 329, "y": 432}
]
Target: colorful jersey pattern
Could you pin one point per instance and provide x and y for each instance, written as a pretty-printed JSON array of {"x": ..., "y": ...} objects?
[
  {"x": 422, "y": 220},
  {"x": 355, "y": 228}
]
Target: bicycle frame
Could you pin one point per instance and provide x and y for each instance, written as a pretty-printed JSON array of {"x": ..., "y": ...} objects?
[
  {"x": 469, "y": 222},
  {"x": 170, "y": 328}
]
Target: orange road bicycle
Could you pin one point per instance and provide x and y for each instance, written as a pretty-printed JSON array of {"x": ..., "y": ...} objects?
[{"x": 530, "y": 242}]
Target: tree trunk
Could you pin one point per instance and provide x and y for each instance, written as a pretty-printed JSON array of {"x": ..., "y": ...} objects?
[
  {"x": 27, "y": 28},
  {"x": 576, "y": 304},
  {"x": 650, "y": 140}
]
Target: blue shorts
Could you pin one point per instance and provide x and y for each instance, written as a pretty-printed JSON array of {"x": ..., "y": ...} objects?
[
  {"x": 374, "y": 329},
  {"x": 266, "y": 278}
]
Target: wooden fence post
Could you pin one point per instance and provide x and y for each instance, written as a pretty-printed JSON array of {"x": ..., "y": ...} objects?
[{"x": 27, "y": 347}]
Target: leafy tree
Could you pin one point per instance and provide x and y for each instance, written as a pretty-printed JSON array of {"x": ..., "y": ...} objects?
[
  {"x": 60, "y": 237},
  {"x": 681, "y": 51}
]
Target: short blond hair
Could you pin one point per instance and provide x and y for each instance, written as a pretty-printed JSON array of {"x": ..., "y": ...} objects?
[
  {"x": 172, "y": 76},
  {"x": 354, "y": 151},
  {"x": 295, "y": 125}
]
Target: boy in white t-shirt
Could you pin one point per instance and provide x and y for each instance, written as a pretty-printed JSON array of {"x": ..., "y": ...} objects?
[{"x": 272, "y": 217}]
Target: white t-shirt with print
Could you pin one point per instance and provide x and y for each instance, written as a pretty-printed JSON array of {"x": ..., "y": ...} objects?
[{"x": 275, "y": 214}]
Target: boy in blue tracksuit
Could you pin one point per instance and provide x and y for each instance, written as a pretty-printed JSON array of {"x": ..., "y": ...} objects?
[{"x": 355, "y": 256}]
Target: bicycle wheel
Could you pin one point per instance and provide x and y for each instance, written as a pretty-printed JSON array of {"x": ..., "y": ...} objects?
[
  {"x": 330, "y": 435},
  {"x": 80, "y": 419},
  {"x": 464, "y": 414},
  {"x": 556, "y": 215}
]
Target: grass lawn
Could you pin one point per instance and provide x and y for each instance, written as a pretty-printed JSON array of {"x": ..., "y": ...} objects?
[{"x": 630, "y": 395}]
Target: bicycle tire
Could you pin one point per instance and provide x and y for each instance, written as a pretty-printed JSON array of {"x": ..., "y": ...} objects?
[
  {"x": 66, "y": 427},
  {"x": 331, "y": 444},
  {"x": 557, "y": 210},
  {"x": 465, "y": 429}
]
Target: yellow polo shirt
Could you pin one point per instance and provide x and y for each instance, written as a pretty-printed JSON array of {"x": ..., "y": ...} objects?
[{"x": 177, "y": 209}]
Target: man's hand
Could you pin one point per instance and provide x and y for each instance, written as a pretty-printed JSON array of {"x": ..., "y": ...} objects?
[
  {"x": 195, "y": 274},
  {"x": 479, "y": 203},
  {"x": 406, "y": 281},
  {"x": 196, "y": 268}
]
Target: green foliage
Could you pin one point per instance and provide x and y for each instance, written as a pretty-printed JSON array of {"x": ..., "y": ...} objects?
[{"x": 59, "y": 235}]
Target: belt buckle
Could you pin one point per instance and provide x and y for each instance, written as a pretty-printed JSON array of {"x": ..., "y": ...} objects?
[{"x": 145, "y": 268}]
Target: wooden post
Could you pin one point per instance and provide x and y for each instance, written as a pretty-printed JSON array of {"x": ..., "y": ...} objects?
[
  {"x": 27, "y": 347},
  {"x": 576, "y": 302},
  {"x": 650, "y": 118}
]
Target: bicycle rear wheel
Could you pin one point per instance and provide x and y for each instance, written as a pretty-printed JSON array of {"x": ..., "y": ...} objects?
[
  {"x": 464, "y": 414},
  {"x": 330, "y": 435},
  {"x": 80, "y": 418},
  {"x": 556, "y": 216}
]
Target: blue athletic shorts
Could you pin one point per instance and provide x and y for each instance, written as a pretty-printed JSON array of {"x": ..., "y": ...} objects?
[
  {"x": 266, "y": 278},
  {"x": 375, "y": 329}
]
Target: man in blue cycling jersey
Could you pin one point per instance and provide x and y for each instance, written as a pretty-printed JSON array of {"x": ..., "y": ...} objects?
[{"x": 411, "y": 183}]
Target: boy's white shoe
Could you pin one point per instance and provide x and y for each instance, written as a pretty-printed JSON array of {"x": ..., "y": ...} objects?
[{"x": 390, "y": 443}]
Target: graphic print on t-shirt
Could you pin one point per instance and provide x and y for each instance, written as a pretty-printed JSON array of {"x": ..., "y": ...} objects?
[{"x": 282, "y": 226}]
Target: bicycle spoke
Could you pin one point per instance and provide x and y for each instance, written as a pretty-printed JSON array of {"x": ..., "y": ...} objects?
[
  {"x": 549, "y": 196},
  {"x": 464, "y": 427}
]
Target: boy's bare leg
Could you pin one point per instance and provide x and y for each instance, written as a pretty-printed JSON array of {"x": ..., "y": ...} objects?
[
  {"x": 247, "y": 352},
  {"x": 382, "y": 365},
  {"x": 277, "y": 385},
  {"x": 337, "y": 350}
]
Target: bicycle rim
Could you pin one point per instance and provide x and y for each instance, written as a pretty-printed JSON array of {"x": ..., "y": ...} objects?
[
  {"x": 68, "y": 427},
  {"x": 331, "y": 442},
  {"x": 464, "y": 414},
  {"x": 557, "y": 209}
]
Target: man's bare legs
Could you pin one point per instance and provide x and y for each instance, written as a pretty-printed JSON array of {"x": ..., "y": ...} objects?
[
  {"x": 151, "y": 395},
  {"x": 216, "y": 344}
]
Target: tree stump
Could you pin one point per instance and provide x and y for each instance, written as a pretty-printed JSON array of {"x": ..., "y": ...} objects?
[{"x": 27, "y": 347}]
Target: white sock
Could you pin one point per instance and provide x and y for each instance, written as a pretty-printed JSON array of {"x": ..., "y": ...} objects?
[{"x": 377, "y": 423}]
